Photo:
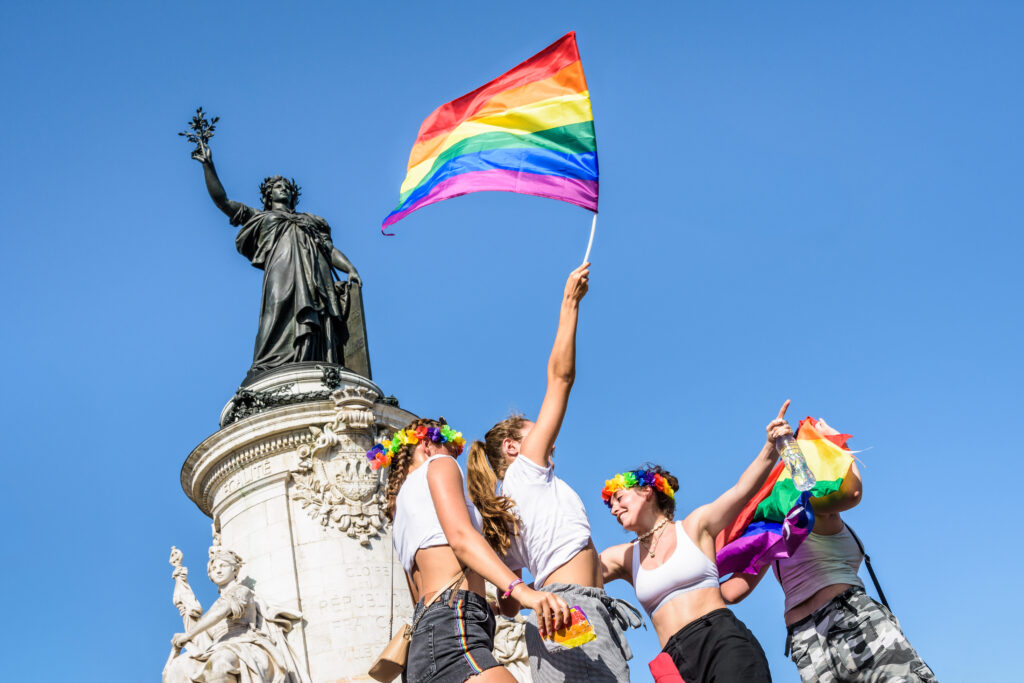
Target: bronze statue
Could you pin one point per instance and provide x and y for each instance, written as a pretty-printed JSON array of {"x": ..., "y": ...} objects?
[{"x": 307, "y": 314}]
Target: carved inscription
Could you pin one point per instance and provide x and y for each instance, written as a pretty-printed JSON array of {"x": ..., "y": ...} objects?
[{"x": 248, "y": 475}]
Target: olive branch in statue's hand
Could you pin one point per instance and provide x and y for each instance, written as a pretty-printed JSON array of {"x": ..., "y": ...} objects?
[{"x": 199, "y": 133}]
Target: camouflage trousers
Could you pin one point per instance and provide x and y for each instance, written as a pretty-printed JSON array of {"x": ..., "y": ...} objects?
[{"x": 854, "y": 639}]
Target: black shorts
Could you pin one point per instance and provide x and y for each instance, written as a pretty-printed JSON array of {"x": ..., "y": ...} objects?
[
  {"x": 451, "y": 643},
  {"x": 718, "y": 647}
]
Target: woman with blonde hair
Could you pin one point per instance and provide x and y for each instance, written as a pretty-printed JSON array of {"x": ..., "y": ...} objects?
[
  {"x": 672, "y": 567},
  {"x": 538, "y": 522},
  {"x": 437, "y": 538}
]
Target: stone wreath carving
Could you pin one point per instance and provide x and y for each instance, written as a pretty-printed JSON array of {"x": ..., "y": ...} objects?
[{"x": 333, "y": 481}]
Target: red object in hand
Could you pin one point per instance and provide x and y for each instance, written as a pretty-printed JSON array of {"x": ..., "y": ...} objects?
[{"x": 664, "y": 669}]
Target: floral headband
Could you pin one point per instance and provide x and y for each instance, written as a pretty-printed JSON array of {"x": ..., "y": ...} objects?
[
  {"x": 628, "y": 480},
  {"x": 381, "y": 454}
]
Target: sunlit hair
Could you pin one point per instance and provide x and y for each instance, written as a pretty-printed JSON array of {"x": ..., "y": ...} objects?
[
  {"x": 268, "y": 183},
  {"x": 484, "y": 467},
  {"x": 401, "y": 461},
  {"x": 654, "y": 477}
]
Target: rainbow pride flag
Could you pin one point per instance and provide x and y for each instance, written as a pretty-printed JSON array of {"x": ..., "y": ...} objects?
[
  {"x": 529, "y": 131},
  {"x": 779, "y": 517}
]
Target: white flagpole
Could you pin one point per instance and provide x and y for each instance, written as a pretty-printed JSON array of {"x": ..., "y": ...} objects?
[{"x": 590, "y": 244}]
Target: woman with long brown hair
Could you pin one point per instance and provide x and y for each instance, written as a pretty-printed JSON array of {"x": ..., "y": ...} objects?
[
  {"x": 436, "y": 536},
  {"x": 538, "y": 522}
]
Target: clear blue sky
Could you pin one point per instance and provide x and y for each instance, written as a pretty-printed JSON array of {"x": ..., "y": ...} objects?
[{"x": 820, "y": 203}]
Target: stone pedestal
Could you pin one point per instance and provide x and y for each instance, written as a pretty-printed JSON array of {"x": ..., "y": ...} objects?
[{"x": 291, "y": 491}]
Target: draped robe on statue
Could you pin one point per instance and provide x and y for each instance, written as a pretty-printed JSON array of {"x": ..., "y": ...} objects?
[{"x": 301, "y": 318}]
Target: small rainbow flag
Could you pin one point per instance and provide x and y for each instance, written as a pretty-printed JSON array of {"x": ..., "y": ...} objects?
[
  {"x": 529, "y": 131},
  {"x": 779, "y": 517}
]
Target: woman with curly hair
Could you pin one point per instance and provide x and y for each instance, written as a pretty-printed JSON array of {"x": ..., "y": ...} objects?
[
  {"x": 538, "y": 522},
  {"x": 437, "y": 538},
  {"x": 672, "y": 567}
]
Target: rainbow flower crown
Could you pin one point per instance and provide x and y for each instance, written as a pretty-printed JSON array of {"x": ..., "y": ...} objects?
[
  {"x": 381, "y": 454},
  {"x": 634, "y": 478}
]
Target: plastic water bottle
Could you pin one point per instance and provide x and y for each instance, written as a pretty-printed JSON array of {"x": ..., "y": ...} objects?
[{"x": 791, "y": 454}]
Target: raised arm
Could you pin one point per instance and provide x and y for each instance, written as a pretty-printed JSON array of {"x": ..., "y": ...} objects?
[
  {"x": 540, "y": 440},
  {"x": 713, "y": 517},
  {"x": 445, "y": 481},
  {"x": 213, "y": 185}
]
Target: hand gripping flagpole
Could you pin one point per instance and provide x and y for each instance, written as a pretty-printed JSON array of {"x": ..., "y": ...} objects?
[{"x": 590, "y": 243}]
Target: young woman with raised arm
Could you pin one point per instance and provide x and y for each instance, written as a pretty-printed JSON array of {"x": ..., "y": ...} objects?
[
  {"x": 437, "y": 537},
  {"x": 538, "y": 522},
  {"x": 672, "y": 567},
  {"x": 835, "y": 632}
]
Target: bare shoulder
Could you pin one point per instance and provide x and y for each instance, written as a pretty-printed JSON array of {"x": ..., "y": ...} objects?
[{"x": 616, "y": 561}]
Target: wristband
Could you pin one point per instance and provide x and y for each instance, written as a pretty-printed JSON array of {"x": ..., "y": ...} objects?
[{"x": 511, "y": 587}]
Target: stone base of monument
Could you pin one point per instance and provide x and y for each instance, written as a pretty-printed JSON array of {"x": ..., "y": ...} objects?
[{"x": 290, "y": 490}]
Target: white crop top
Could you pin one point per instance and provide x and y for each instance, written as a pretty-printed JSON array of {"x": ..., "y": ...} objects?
[
  {"x": 686, "y": 569},
  {"x": 554, "y": 522},
  {"x": 820, "y": 561},
  {"x": 416, "y": 524}
]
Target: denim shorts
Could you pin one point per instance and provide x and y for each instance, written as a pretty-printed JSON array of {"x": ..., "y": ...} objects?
[{"x": 452, "y": 641}]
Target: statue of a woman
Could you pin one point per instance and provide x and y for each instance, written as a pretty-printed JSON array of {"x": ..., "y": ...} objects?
[
  {"x": 302, "y": 317},
  {"x": 248, "y": 643}
]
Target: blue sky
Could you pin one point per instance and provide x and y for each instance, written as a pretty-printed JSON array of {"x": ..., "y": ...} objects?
[{"x": 805, "y": 201}]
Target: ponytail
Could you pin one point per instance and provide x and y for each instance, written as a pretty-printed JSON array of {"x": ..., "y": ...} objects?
[{"x": 500, "y": 523}]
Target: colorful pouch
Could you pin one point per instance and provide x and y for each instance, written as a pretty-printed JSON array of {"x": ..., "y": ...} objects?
[{"x": 578, "y": 632}]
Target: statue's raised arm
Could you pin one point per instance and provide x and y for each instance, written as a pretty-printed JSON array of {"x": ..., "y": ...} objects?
[
  {"x": 200, "y": 133},
  {"x": 213, "y": 185}
]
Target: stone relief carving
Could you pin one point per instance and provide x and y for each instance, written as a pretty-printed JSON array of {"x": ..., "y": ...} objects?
[
  {"x": 333, "y": 481},
  {"x": 240, "y": 639}
]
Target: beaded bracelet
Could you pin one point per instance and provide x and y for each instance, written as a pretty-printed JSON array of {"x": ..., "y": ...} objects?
[{"x": 512, "y": 587}]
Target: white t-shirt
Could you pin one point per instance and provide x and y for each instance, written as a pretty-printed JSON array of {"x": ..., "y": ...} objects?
[
  {"x": 416, "y": 524},
  {"x": 554, "y": 521}
]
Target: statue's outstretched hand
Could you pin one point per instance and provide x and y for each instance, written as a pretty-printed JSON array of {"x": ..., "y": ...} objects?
[
  {"x": 180, "y": 639},
  {"x": 354, "y": 278},
  {"x": 202, "y": 154}
]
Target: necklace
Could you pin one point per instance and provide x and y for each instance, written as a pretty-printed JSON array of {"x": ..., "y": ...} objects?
[{"x": 644, "y": 537}]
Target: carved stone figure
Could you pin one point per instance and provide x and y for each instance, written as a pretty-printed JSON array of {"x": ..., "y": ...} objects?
[
  {"x": 333, "y": 480},
  {"x": 306, "y": 313},
  {"x": 239, "y": 639}
]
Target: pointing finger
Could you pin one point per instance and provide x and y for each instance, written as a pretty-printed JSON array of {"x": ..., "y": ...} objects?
[{"x": 783, "y": 409}]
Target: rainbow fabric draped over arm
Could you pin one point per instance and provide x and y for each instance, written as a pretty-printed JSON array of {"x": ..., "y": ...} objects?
[
  {"x": 779, "y": 517},
  {"x": 529, "y": 131}
]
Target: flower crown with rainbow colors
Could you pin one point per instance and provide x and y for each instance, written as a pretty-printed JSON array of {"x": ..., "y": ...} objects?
[
  {"x": 634, "y": 478},
  {"x": 381, "y": 454}
]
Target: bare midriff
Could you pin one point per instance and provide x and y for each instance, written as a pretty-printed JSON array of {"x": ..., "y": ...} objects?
[
  {"x": 583, "y": 569},
  {"x": 682, "y": 610},
  {"x": 816, "y": 602},
  {"x": 435, "y": 567}
]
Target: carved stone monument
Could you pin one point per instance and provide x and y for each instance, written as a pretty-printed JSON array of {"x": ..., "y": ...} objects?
[
  {"x": 240, "y": 638},
  {"x": 289, "y": 489}
]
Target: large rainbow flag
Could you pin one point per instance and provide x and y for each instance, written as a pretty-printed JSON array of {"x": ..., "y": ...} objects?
[
  {"x": 530, "y": 131},
  {"x": 779, "y": 517}
]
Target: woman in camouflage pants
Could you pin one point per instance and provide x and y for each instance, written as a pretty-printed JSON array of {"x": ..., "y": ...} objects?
[{"x": 836, "y": 632}]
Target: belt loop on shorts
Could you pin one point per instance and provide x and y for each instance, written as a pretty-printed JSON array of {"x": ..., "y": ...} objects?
[{"x": 789, "y": 643}]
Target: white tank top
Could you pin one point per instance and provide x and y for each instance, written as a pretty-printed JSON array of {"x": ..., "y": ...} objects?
[
  {"x": 416, "y": 524},
  {"x": 686, "y": 569},
  {"x": 819, "y": 562},
  {"x": 554, "y": 522}
]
